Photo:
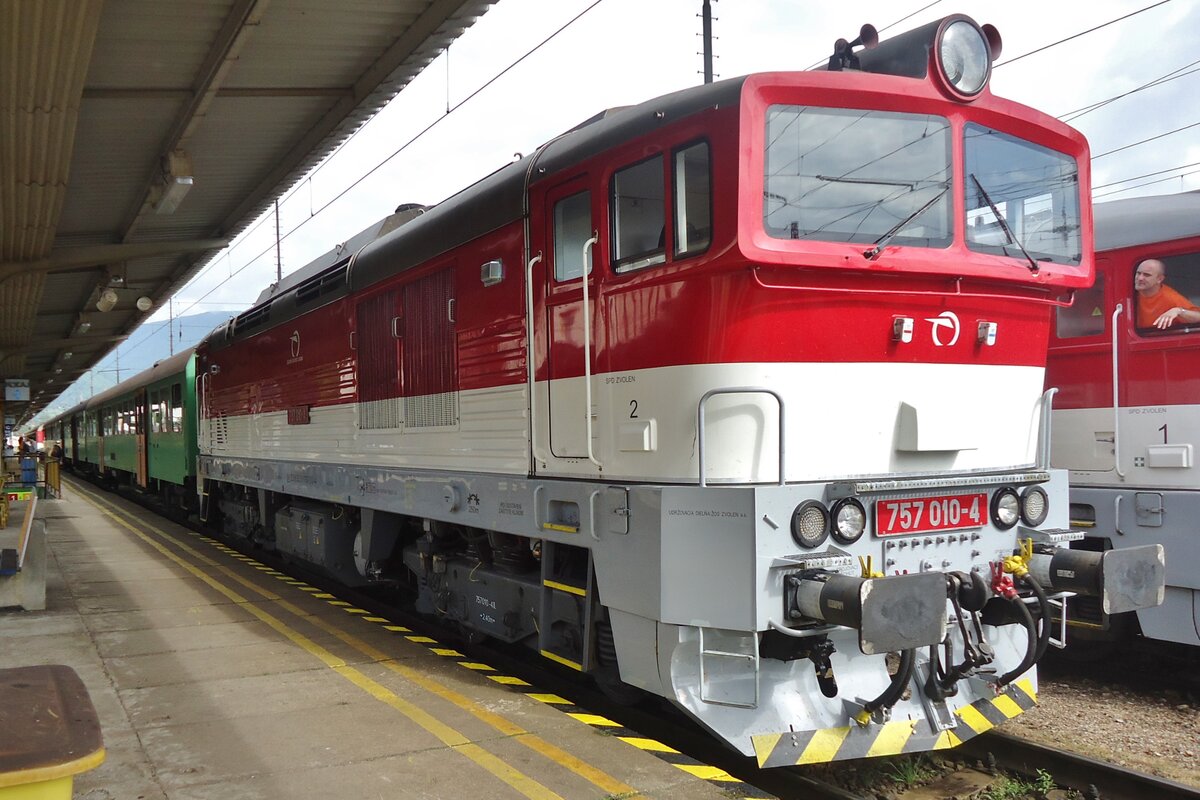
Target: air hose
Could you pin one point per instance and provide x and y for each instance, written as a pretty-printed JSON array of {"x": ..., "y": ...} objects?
[
  {"x": 1031, "y": 647},
  {"x": 1044, "y": 615},
  {"x": 894, "y": 689}
]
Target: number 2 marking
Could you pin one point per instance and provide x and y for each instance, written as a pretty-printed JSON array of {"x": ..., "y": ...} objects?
[{"x": 633, "y": 409}]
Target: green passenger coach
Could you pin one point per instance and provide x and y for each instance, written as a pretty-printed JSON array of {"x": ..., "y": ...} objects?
[{"x": 141, "y": 433}]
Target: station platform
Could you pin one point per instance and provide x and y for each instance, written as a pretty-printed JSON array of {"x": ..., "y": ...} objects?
[{"x": 216, "y": 676}]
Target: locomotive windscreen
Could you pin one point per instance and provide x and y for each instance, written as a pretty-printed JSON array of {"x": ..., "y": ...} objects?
[
  {"x": 852, "y": 175},
  {"x": 1034, "y": 189}
]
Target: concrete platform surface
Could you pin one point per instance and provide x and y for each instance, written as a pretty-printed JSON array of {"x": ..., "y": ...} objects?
[{"x": 216, "y": 677}]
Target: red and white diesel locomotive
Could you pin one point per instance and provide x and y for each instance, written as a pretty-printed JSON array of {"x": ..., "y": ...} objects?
[
  {"x": 1126, "y": 421},
  {"x": 725, "y": 396}
]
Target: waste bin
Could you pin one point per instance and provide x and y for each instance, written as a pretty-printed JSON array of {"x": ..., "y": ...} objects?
[
  {"x": 29, "y": 470},
  {"x": 49, "y": 732}
]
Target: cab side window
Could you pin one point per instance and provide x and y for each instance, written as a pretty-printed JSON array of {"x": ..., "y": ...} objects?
[
  {"x": 638, "y": 215},
  {"x": 1163, "y": 284},
  {"x": 1086, "y": 316}
]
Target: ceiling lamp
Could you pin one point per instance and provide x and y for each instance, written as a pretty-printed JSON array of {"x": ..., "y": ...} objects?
[
  {"x": 107, "y": 301},
  {"x": 144, "y": 304}
]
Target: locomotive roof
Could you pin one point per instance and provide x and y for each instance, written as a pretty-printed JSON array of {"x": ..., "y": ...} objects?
[
  {"x": 499, "y": 198},
  {"x": 160, "y": 370},
  {"x": 1143, "y": 220},
  {"x": 488, "y": 204}
]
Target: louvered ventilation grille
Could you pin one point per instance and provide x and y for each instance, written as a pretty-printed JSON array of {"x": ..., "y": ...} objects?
[
  {"x": 431, "y": 400},
  {"x": 378, "y": 364}
]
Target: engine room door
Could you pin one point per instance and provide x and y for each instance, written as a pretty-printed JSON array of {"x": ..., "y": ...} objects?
[{"x": 569, "y": 252}]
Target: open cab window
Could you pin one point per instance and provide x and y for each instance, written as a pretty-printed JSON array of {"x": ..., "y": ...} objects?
[{"x": 1180, "y": 288}]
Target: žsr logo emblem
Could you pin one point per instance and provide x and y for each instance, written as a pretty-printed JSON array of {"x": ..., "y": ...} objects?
[
  {"x": 296, "y": 340},
  {"x": 944, "y": 320}
]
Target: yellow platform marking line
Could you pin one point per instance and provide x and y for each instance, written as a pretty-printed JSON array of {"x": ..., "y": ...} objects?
[
  {"x": 705, "y": 772},
  {"x": 593, "y": 719},
  {"x": 446, "y": 651},
  {"x": 507, "y": 680},
  {"x": 397, "y": 629},
  {"x": 376, "y": 619},
  {"x": 642, "y": 743},
  {"x": 478, "y": 667},
  {"x": 551, "y": 699},
  {"x": 566, "y": 662},
  {"x": 444, "y": 733},
  {"x": 511, "y": 776}
]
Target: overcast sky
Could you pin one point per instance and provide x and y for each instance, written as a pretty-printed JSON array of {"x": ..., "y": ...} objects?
[{"x": 621, "y": 52}]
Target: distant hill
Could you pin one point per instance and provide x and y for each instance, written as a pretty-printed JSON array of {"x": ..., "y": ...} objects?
[{"x": 150, "y": 343}]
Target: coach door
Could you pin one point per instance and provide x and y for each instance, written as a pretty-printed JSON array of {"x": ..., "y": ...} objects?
[
  {"x": 141, "y": 429},
  {"x": 569, "y": 250}
]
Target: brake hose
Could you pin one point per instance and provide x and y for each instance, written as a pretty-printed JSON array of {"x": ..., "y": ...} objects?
[
  {"x": 1031, "y": 647},
  {"x": 1044, "y": 603},
  {"x": 896, "y": 688}
]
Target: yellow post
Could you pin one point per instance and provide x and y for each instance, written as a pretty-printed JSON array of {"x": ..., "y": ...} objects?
[{"x": 54, "y": 477}]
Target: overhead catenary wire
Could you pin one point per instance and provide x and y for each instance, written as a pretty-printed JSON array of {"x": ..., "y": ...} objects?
[{"x": 1082, "y": 33}]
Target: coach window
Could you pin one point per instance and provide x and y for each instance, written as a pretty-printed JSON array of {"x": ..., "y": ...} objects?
[
  {"x": 1179, "y": 288},
  {"x": 572, "y": 229},
  {"x": 177, "y": 408},
  {"x": 638, "y": 216},
  {"x": 691, "y": 195},
  {"x": 1085, "y": 316},
  {"x": 156, "y": 415}
]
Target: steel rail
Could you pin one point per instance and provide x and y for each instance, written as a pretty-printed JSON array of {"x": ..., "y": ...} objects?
[{"x": 1074, "y": 770}]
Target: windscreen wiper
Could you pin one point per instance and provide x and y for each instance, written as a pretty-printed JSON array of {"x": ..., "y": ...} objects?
[
  {"x": 881, "y": 242},
  {"x": 1033, "y": 265}
]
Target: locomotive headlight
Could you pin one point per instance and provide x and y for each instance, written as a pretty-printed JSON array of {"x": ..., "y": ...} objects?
[
  {"x": 1006, "y": 508},
  {"x": 849, "y": 520},
  {"x": 1034, "y": 506},
  {"x": 963, "y": 57},
  {"x": 810, "y": 524}
]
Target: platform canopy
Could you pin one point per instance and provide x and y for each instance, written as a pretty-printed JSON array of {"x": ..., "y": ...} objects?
[{"x": 138, "y": 137}]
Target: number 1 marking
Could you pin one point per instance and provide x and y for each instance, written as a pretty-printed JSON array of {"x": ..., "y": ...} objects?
[{"x": 1164, "y": 430}]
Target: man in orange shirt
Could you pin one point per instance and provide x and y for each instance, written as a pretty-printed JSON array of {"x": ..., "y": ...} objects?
[{"x": 1160, "y": 306}]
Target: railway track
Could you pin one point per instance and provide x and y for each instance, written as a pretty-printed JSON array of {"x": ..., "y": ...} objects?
[{"x": 1074, "y": 771}]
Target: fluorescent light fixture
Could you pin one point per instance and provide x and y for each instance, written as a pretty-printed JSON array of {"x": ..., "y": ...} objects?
[
  {"x": 84, "y": 327},
  {"x": 67, "y": 355}
]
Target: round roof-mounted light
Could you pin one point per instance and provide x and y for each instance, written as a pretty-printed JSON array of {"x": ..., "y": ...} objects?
[{"x": 964, "y": 58}]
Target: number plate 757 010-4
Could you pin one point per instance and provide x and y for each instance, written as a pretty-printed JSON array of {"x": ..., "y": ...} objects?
[{"x": 909, "y": 515}]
